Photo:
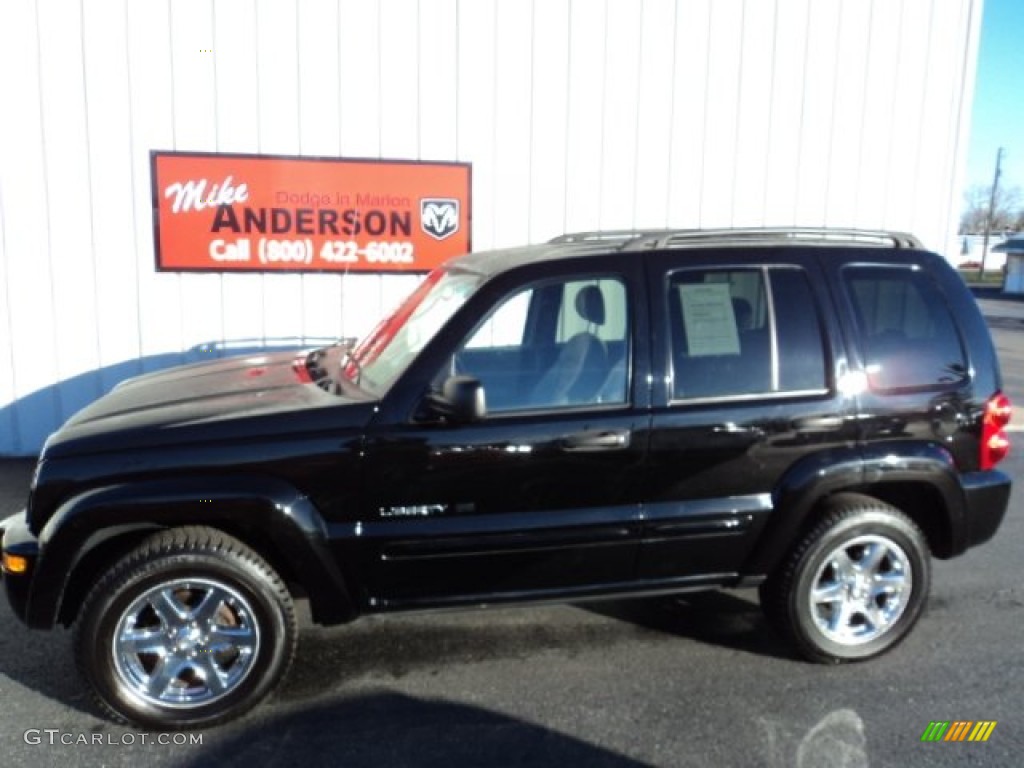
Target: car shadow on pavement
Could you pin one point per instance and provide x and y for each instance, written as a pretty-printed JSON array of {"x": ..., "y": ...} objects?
[
  {"x": 391, "y": 729},
  {"x": 390, "y": 648},
  {"x": 716, "y": 618}
]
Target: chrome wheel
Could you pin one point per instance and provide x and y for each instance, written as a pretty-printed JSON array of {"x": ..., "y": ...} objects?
[
  {"x": 185, "y": 643},
  {"x": 860, "y": 590}
]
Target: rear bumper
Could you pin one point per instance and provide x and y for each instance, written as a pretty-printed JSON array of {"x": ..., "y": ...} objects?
[
  {"x": 18, "y": 540},
  {"x": 986, "y": 497}
]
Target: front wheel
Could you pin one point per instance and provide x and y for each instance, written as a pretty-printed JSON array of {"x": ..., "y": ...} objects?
[
  {"x": 854, "y": 586},
  {"x": 190, "y": 629}
]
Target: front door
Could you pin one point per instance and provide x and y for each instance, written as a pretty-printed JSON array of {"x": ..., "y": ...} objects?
[{"x": 542, "y": 495}]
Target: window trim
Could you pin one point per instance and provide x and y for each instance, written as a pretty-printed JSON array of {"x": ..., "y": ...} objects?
[{"x": 773, "y": 331}]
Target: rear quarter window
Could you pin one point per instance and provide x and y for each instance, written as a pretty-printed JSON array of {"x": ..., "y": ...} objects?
[{"x": 905, "y": 330}]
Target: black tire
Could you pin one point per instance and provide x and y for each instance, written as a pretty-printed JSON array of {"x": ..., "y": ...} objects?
[
  {"x": 871, "y": 565},
  {"x": 192, "y": 607}
]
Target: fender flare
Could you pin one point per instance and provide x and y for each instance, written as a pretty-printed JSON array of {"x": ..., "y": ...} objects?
[
  {"x": 856, "y": 469},
  {"x": 271, "y": 505}
]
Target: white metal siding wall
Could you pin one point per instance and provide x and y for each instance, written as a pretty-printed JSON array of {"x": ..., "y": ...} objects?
[{"x": 575, "y": 115}]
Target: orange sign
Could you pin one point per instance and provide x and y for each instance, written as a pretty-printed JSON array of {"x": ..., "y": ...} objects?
[{"x": 221, "y": 213}]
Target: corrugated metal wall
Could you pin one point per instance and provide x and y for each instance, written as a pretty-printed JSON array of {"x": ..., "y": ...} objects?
[{"x": 575, "y": 115}]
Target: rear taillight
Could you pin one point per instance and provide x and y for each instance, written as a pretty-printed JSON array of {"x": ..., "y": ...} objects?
[{"x": 994, "y": 442}]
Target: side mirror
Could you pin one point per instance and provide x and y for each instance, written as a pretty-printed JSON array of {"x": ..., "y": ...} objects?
[{"x": 460, "y": 400}]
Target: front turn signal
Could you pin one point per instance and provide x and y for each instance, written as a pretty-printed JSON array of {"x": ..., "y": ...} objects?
[{"x": 14, "y": 563}]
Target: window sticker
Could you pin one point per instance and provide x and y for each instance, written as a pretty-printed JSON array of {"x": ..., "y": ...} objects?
[{"x": 709, "y": 321}]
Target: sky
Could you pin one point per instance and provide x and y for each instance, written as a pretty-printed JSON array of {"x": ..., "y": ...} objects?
[{"x": 998, "y": 116}]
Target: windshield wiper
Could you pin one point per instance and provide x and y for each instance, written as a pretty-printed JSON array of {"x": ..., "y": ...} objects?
[
  {"x": 316, "y": 365},
  {"x": 347, "y": 358},
  {"x": 318, "y": 374}
]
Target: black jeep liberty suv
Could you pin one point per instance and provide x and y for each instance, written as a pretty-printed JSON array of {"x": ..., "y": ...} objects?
[{"x": 814, "y": 412}]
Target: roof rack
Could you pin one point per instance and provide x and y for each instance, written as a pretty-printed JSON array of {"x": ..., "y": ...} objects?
[
  {"x": 776, "y": 235},
  {"x": 609, "y": 235}
]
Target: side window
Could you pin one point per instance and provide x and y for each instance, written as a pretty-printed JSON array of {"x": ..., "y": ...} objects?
[
  {"x": 744, "y": 332},
  {"x": 905, "y": 330},
  {"x": 555, "y": 344}
]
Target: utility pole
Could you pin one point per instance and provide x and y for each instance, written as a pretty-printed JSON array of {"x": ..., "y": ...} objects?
[{"x": 988, "y": 219}]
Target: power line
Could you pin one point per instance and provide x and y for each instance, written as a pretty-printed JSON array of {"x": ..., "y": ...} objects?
[{"x": 991, "y": 213}]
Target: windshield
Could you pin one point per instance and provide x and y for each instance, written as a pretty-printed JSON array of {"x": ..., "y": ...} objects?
[{"x": 390, "y": 347}]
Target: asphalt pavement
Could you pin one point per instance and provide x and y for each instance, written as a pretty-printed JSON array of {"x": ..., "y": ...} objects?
[{"x": 700, "y": 681}]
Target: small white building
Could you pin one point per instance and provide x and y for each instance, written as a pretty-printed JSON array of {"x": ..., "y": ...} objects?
[
  {"x": 1012, "y": 250},
  {"x": 971, "y": 247}
]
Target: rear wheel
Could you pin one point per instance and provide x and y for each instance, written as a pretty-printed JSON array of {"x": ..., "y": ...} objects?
[
  {"x": 190, "y": 629},
  {"x": 854, "y": 586}
]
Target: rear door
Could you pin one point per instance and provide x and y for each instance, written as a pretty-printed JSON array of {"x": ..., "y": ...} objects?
[{"x": 748, "y": 356}]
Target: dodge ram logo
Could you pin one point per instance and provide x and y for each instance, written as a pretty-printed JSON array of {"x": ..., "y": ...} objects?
[{"x": 439, "y": 216}]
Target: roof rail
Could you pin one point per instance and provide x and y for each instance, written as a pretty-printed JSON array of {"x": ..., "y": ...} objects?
[
  {"x": 609, "y": 235},
  {"x": 776, "y": 235}
]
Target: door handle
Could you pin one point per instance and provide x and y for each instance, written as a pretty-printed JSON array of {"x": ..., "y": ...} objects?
[
  {"x": 596, "y": 440},
  {"x": 737, "y": 430},
  {"x": 818, "y": 423}
]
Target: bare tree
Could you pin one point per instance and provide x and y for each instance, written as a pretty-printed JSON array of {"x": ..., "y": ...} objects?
[{"x": 1007, "y": 214}]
